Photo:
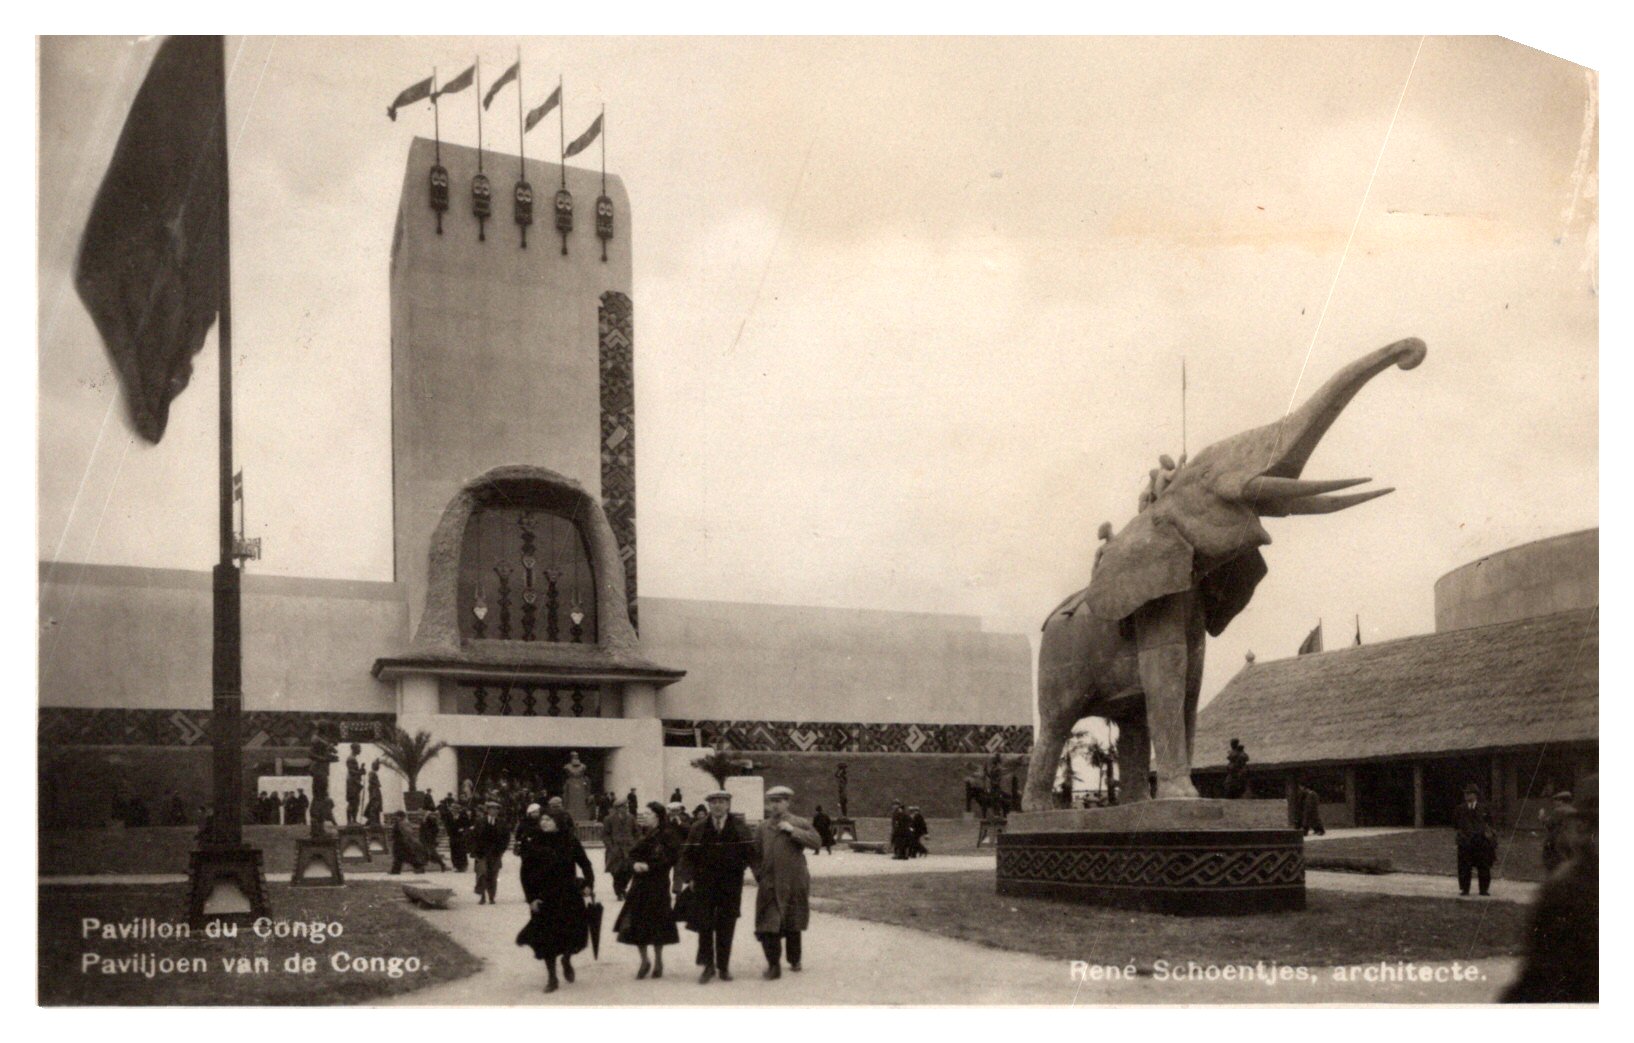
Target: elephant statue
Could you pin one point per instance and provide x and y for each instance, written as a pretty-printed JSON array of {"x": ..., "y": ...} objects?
[{"x": 1129, "y": 647}]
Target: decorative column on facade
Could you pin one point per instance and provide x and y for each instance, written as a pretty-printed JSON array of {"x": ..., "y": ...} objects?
[{"x": 617, "y": 359}]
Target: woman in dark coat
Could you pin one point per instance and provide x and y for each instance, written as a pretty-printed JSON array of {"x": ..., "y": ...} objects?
[
  {"x": 646, "y": 918},
  {"x": 559, "y": 925}
]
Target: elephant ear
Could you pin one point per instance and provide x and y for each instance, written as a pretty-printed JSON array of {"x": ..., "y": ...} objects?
[
  {"x": 1227, "y": 589},
  {"x": 1146, "y": 561}
]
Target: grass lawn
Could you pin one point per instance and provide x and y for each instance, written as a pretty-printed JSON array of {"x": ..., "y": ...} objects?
[
  {"x": 1335, "y": 929},
  {"x": 374, "y": 917},
  {"x": 1520, "y": 855},
  {"x": 152, "y": 849}
]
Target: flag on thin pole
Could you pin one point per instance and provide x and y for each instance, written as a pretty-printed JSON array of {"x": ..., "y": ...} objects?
[
  {"x": 1313, "y": 641},
  {"x": 150, "y": 261},
  {"x": 544, "y": 109},
  {"x": 238, "y": 485},
  {"x": 458, "y": 83},
  {"x": 505, "y": 77},
  {"x": 418, "y": 92},
  {"x": 477, "y": 66},
  {"x": 583, "y": 141},
  {"x": 1358, "y": 629}
]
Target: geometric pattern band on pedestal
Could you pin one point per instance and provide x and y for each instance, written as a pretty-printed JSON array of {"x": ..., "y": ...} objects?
[{"x": 1188, "y": 872}]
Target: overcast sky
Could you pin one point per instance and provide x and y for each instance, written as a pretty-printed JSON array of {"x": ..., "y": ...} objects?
[{"x": 910, "y": 314}]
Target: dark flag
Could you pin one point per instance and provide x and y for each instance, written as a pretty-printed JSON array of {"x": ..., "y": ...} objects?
[
  {"x": 419, "y": 92},
  {"x": 582, "y": 142},
  {"x": 1312, "y": 642},
  {"x": 149, "y": 267},
  {"x": 458, "y": 83},
  {"x": 1358, "y": 630},
  {"x": 238, "y": 485},
  {"x": 535, "y": 115},
  {"x": 505, "y": 77}
]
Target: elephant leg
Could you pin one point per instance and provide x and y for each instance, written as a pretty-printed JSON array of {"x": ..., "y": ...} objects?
[
  {"x": 1134, "y": 761},
  {"x": 1052, "y": 735},
  {"x": 1196, "y": 636},
  {"x": 1161, "y": 635}
]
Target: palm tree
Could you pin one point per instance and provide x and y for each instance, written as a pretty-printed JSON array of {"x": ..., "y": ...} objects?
[
  {"x": 1104, "y": 759},
  {"x": 719, "y": 765},
  {"x": 408, "y": 755},
  {"x": 1074, "y": 746}
]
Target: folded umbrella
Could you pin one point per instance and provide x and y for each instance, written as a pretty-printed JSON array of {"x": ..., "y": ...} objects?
[{"x": 593, "y": 912}]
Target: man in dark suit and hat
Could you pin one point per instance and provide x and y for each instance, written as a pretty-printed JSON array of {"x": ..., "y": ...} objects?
[
  {"x": 717, "y": 851},
  {"x": 782, "y": 909},
  {"x": 489, "y": 841},
  {"x": 1477, "y": 840}
]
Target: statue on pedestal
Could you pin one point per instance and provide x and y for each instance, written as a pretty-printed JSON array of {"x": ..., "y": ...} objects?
[
  {"x": 322, "y": 753},
  {"x": 354, "y": 784},
  {"x": 840, "y": 775},
  {"x": 1129, "y": 647},
  {"x": 576, "y": 791}
]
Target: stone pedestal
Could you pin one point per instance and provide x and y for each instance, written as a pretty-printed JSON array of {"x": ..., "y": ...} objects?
[
  {"x": 845, "y": 829},
  {"x": 379, "y": 843},
  {"x": 317, "y": 863},
  {"x": 1185, "y": 857},
  {"x": 354, "y": 845},
  {"x": 226, "y": 883}
]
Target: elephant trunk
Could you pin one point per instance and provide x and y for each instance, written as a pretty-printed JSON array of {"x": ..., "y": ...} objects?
[{"x": 1301, "y": 430}]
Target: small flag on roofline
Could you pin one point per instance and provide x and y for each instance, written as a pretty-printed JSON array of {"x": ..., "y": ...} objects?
[
  {"x": 582, "y": 142},
  {"x": 458, "y": 83},
  {"x": 1312, "y": 642},
  {"x": 544, "y": 109},
  {"x": 505, "y": 77},
  {"x": 419, "y": 92},
  {"x": 238, "y": 484}
]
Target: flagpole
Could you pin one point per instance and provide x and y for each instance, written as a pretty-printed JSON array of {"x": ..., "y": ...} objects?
[
  {"x": 561, "y": 129},
  {"x": 222, "y": 861},
  {"x": 477, "y": 97},
  {"x": 521, "y": 134},
  {"x": 436, "y": 121},
  {"x": 604, "y": 150}
]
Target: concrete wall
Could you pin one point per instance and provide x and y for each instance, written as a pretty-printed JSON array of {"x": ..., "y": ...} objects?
[
  {"x": 1553, "y": 575},
  {"x": 495, "y": 349},
  {"x": 780, "y": 662},
  {"x": 112, "y": 636}
]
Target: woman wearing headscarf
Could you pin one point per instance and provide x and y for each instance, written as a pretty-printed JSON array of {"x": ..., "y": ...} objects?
[
  {"x": 647, "y": 918},
  {"x": 559, "y": 925}
]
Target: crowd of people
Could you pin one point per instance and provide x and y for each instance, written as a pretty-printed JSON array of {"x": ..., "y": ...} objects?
[
  {"x": 908, "y": 831},
  {"x": 668, "y": 866}
]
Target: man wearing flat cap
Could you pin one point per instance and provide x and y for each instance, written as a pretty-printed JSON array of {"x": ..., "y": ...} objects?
[
  {"x": 718, "y": 849},
  {"x": 1477, "y": 840},
  {"x": 782, "y": 909}
]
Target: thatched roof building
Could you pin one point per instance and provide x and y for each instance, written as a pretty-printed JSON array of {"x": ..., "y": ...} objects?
[{"x": 1390, "y": 733}]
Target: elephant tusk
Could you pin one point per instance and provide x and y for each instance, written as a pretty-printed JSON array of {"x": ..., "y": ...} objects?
[
  {"x": 1266, "y": 487},
  {"x": 1329, "y": 504}
]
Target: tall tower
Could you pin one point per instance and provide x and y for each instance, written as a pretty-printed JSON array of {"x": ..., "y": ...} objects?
[
  {"x": 504, "y": 355},
  {"x": 513, "y": 456}
]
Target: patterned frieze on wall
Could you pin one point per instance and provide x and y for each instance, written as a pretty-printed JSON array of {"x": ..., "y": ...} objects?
[
  {"x": 618, "y": 430},
  {"x": 855, "y": 737},
  {"x": 68, "y": 726}
]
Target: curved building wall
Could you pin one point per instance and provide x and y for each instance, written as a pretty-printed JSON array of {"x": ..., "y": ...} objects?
[{"x": 1557, "y": 574}]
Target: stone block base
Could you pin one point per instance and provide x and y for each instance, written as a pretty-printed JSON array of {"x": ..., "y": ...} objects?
[
  {"x": 311, "y": 849},
  {"x": 1185, "y": 859},
  {"x": 845, "y": 830},
  {"x": 236, "y": 867},
  {"x": 353, "y": 844}
]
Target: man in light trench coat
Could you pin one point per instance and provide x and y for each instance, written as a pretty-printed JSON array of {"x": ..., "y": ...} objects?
[{"x": 782, "y": 911}]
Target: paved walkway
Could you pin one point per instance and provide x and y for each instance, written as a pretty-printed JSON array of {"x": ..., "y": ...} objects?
[{"x": 860, "y": 963}]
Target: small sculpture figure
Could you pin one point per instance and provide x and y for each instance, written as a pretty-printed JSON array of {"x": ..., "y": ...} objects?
[
  {"x": 840, "y": 775},
  {"x": 576, "y": 790},
  {"x": 354, "y": 784},
  {"x": 322, "y": 754}
]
